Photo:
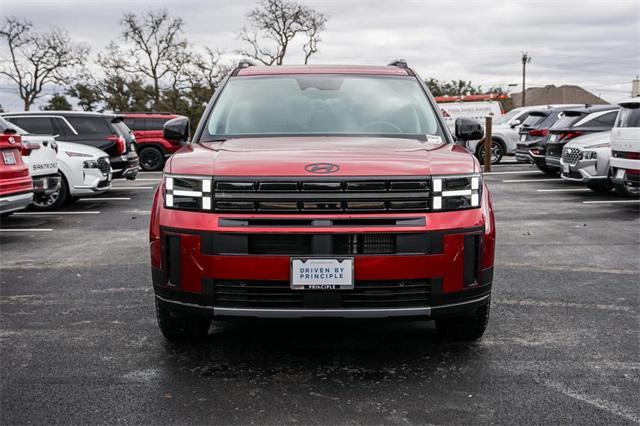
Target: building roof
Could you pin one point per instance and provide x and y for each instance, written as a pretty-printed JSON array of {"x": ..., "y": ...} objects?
[
  {"x": 323, "y": 69},
  {"x": 550, "y": 94}
]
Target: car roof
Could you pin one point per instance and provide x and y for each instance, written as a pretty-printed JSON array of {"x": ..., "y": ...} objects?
[
  {"x": 62, "y": 113},
  {"x": 323, "y": 69},
  {"x": 594, "y": 108},
  {"x": 630, "y": 101},
  {"x": 149, "y": 115}
]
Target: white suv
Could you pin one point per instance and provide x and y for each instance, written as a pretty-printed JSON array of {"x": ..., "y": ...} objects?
[{"x": 625, "y": 148}]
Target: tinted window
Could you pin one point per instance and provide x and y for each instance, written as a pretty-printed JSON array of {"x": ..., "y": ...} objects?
[
  {"x": 322, "y": 104},
  {"x": 629, "y": 116},
  {"x": 135, "y": 123},
  {"x": 156, "y": 123},
  {"x": 122, "y": 130},
  {"x": 604, "y": 120},
  {"x": 35, "y": 125},
  {"x": 98, "y": 126},
  {"x": 532, "y": 120},
  {"x": 567, "y": 121}
]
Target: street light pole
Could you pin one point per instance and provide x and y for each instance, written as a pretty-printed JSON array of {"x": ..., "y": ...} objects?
[{"x": 525, "y": 60}]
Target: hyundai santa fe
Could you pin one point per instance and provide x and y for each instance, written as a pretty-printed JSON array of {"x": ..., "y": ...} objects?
[{"x": 322, "y": 191}]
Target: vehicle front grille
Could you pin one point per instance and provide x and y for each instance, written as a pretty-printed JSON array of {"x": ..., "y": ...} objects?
[
  {"x": 278, "y": 294},
  {"x": 319, "y": 196},
  {"x": 104, "y": 165},
  {"x": 571, "y": 155}
]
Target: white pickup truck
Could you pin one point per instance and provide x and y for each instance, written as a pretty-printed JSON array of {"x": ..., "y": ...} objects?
[{"x": 79, "y": 170}]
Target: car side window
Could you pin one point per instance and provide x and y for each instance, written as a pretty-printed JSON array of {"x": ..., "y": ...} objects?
[
  {"x": 61, "y": 127},
  {"x": 97, "y": 126},
  {"x": 604, "y": 120},
  {"x": 155, "y": 123},
  {"x": 35, "y": 125},
  {"x": 135, "y": 123}
]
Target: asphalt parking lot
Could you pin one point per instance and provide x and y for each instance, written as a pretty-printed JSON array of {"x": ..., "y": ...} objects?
[{"x": 80, "y": 342}]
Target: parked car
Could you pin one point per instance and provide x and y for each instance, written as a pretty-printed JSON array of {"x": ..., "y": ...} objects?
[
  {"x": 153, "y": 149},
  {"x": 577, "y": 122},
  {"x": 533, "y": 136},
  {"x": 322, "y": 191},
  {"x": 16, "y": 186},
  {"x": 40, "y": 156},
  {"x": 586, "y": 159},
  {"x": 505, "y": 133},
  {"x": 625, "y": 145},
  {"x": 82, "y": 170},
  {"x": 106, "y": 132}
]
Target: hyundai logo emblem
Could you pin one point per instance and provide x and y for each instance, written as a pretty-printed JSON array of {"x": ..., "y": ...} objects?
[{"x": 322, "y": 168}]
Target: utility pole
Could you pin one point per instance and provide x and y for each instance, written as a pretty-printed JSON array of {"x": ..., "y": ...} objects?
[{"x": 525, "y": 60}]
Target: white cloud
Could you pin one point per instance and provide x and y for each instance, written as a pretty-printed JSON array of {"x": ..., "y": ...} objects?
[{"x": 595, "y": 44}]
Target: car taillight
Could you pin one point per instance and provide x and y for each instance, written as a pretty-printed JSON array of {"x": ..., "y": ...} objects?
[
  {"x": 11, "y": 139},
  {"x": 121, "y": 144},
  {"x": 569, "y": 135},
  {"x": 631, "y": 155},
  {"x": 538, "y": 132},
  {"x": 633, "y": 172},
  {"x": 27, "y": 147}
]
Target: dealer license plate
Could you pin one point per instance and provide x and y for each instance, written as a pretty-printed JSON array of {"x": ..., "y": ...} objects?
[
  {"x": 523, "y": 138},
  {"x": 620, "y": 174},
  {"x": 322, "y": 273},
  {"x": 553, "y": 138},
  {"x": 565, "y": 169},
  {"x": 9, "y": 157}
]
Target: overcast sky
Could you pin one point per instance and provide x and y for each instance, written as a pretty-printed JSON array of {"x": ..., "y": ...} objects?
[{"x": 595, "y": 44}]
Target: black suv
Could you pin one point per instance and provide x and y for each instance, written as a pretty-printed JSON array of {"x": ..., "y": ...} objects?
[
  {"x": 107, "y": 132},
  {"x": 577, "y": 122},
  {"x": 533, "y": 136}
]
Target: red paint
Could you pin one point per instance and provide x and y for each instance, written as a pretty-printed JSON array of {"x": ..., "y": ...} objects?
[
  {"x": 14, "y": 178},
  {"x": 152, "y": 136}
]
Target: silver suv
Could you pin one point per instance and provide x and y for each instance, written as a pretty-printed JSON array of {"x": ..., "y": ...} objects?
[{"x": 586, "y": 159}]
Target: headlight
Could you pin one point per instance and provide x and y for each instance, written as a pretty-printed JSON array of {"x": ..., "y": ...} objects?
[
  {"x": 90, "y": 164},
  {"x": 456, "y": 192},
  {"x": 187, "y": 192},
  {"x": 589, "y": 155}
]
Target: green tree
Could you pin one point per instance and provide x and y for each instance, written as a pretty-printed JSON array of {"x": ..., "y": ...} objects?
[
  {"x": 57, "y": 102},
  {"x": 451, "y": 88},
  {"x": 88, "y": 95}
]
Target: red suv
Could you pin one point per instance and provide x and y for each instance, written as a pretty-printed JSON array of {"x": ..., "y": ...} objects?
[
  {"x": 16, "y": 186},
  {"x": 322, "y": 191},
  {"x": 152, "y": 147}
]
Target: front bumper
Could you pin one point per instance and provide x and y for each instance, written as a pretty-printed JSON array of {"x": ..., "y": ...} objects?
[
  {"x": 125, "y": 166},
  {"x": 13, "y": 202},
  {"x": 552, "y": 162},
  {"x": 46, "y": 184},
  {"x": 585, "y": 171}
]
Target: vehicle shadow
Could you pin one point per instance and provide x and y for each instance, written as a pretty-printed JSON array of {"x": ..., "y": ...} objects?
[{"x": 364, "y": 349}]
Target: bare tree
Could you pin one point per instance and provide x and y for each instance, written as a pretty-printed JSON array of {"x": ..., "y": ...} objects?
[
  {"x": 38, "y": 59},
  {"x": 274, "y": 24},
  {"x": 158, "y": 52}
]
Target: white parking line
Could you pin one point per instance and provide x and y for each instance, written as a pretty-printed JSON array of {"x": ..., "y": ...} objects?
[
  {"x": 611, "y": 202},
  {"x": 53, "y": 213},
  {"x": 531, "y": 172},
  {"x": 531, "y": 180},
  {"x": 132, "y": 187},
  {"x": 26, "y": 230},
  {"x": 565, "y": 190},
  {"x": 149, "y": 179},
  {"x": 105, "y": 199}
]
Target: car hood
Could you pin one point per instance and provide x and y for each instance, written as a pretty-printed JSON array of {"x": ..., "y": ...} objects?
[
  {"x": 354, "y": 156},
  {"x": 590, "y": 139}
]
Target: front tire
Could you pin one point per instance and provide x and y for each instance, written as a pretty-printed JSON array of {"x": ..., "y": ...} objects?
[
  {"x": 623, "y": 190},
  {"x": 56, "y": 200},
  {"x": 497, "y": 152},
  {"x": 179, "y": 328},
  {"x": 467, "y": 328},
  {"x": 151, "y": 159}
]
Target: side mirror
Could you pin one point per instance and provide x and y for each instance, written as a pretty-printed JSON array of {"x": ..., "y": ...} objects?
[
  {"x": 515, "y": 123},
  {"x": 177, "y": 129},
  {"x": 468, "y": 129}
]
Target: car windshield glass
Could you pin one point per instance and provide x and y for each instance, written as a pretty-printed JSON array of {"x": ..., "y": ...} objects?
[
  {"x": 629, "y": 116},
  {"x": 122, "y": 130},
  {"x": 322, "y": 105},
  {"x": 566, "y": 121},
  {"x": 533, "y": 119},
  {"x": 508, "y": 116}
]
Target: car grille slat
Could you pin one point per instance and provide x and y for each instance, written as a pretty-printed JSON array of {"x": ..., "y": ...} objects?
[
  {"x": 278, "y": 294},
  {"x": 104, "y": 165},
  {"x": 297, "y": 195}
]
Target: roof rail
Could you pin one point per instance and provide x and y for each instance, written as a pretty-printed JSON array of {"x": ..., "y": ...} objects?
[
  {"x": 245, "y": 63},
  {"x": 400, "y": 63}
]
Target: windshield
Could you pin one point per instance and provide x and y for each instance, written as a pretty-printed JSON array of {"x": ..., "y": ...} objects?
[
  {"x": 508, "y": 116},
  {"x": 322, "y": 105},
  {"x": 534, "y": 119}
]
